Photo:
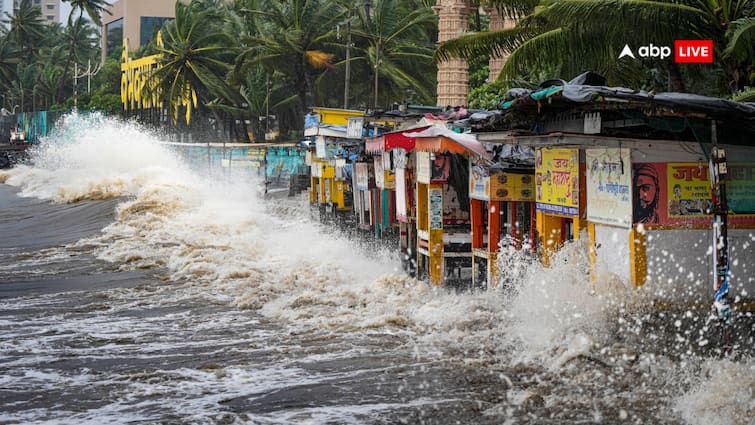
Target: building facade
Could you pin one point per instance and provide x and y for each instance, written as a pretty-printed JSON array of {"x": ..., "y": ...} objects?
[{"x": 134, "y": 20}]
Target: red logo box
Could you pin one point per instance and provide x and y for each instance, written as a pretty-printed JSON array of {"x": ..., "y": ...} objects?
[{"x": 693, "y": 51}]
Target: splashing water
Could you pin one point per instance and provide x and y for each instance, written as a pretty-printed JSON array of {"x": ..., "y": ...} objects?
[{"x": 552, "y": 344}]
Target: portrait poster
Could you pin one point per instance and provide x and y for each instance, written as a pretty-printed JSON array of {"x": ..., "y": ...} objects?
[
  {"x": 557, "y": 181},
  {"x": 440, "y": 168},
  {"x": 435, "y": 207},
  {"x": 609, "y": 180},
  {"x": 649, "y": 193}
]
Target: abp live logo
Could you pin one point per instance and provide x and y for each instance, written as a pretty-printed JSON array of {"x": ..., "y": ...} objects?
[
  {"x": 693, "y": 51},
  {"x": 685, "y": 51}
]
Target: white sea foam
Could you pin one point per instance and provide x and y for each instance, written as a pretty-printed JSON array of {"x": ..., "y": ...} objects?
[{"x": 723, "y": 394}]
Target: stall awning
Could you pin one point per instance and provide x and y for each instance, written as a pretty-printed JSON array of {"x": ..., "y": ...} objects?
[
  {"x": 397, "y": 139},
  {"x": 441, "y": 139},
  {"x": 374, "y": 145}
]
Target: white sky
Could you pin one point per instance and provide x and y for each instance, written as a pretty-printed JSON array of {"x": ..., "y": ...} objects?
[{"x": 65, "y": 10}]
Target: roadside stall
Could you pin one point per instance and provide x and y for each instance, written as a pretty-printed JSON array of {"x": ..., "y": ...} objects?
[
  {"x": 330, "y": 189},
  {"x": 444, "y": 246},
  {"x": 502, "y": 205}
]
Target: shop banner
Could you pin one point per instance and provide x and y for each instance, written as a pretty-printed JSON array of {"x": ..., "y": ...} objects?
[
  {"x": 688, "y": 189},
  {"x": 512, "y": 187},
  {"x": 379, "y": 172},
  {"x": 320, "y": 151},
  {"x": 362, "y": 175},
  {"x": 400, "y": 195},
  {"x": 740, "y": 187},
  {"x": 557, "y": 181},
  {"x": 609, "y": 180}
]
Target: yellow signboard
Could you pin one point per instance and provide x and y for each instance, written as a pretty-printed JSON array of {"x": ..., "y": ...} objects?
[
  {"x": 135, "y": 79},
  {"x": 557, "y": 181},
  {"x": 688, "y": 189},
  {"x": 512, "y": 187}
]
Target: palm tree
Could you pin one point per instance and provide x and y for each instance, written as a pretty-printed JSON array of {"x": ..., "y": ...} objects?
[
  {"x": 9, "y": 60},
  {"x": 194, "y": 59},
  {"x": 289, "y": 38},
  {"x": 577, "y": 35},
  {"x": 47, "y": 83},
  {"x": 27, "y": 28},
  {"x": 94, "y": 9},
  {"x": 398, "y": 47}
]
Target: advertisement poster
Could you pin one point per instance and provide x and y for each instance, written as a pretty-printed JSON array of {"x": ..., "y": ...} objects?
[
  {"x": 435, "y": 206},
  {"x": 512, "y": 187},
  {"x": 688, "y": 189},
  {"x": 675, "y": 195},
  {"x": 320, "y": 147},
  {"x": 609, "y": 179},
  {"x": 557, "y": 181},
  {"x": 479, "y": 180}
]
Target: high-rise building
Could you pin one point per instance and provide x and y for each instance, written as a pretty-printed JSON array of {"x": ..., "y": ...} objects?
[{"x": 134, "y": 20}]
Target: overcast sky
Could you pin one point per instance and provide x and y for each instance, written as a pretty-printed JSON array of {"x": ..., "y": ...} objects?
[{"x": 65, "y": 10}]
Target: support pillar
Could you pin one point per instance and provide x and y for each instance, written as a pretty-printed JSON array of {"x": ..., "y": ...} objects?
[
  {"x": 638, "y": 264},
  {"x": 494, "y": 237},
  {"x": 435, "y": 241},
  {"x": 549, "y": 228}
]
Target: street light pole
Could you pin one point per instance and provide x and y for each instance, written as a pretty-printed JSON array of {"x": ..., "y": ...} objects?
[
  {"x": 348, "y": 63},
  {"x": 377, "y": 73},
  {"x": 89, "y": 73}
]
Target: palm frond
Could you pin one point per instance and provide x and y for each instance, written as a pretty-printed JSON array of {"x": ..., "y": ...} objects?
[
  {"x": 647, "y": 20},
  {"x": 741, "y": 39},
  {"x": 745, "y": 95},
  {"x": 473, "y": 44}
]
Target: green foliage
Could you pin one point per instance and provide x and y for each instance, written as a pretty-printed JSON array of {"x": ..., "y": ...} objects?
[
  {"x": 246, "y": 58},
  {"x": 580, "y": 35},
  {"x": 107, "y": 102},
  {"x": 745, "y": 95},
  {"x": 486, "y": 96}
]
